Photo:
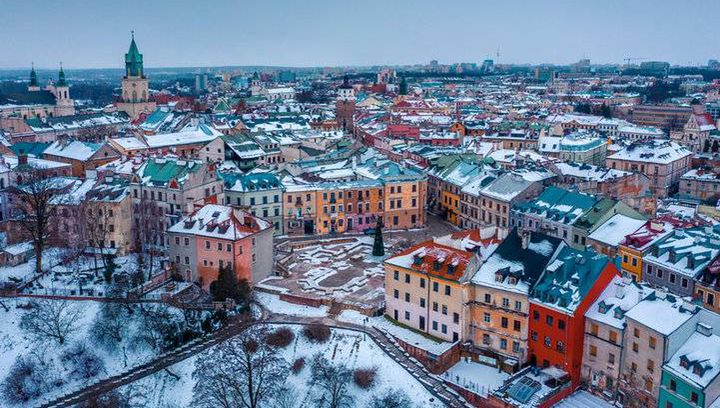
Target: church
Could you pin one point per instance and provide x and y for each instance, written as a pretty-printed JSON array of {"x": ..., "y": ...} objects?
[
  {"x": 33, "y": 101},
  {"x": 135, "y": 97}
]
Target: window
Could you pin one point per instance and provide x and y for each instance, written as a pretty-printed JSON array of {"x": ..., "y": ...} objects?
[
  {"x": 503, "y": 344},
  {"x": 650, "y": 365},
  {"x": 561, "y": 324},
  {"x": 536, "y": 315},
  {"x": 407, "y": 297},
  {"x": 422, "y": 282},
  {"x": 436, "y": 287},
  {"x": 504, "y": 322},
  {"x": 673, "y": 385},
  {"x": 207, "y": 244},
  {"x": 516, "y": 325},
  {"x": 636, "y": 332},
  {"x": 633, "y": 367},
  {"x": 652, "y": 342},
  {"x": 611, "y": 358},
  {"x": 548, "y": 342},
  {"x": 407, "y": 315},
  {"x": 549, "y": 320},
  {"x": 444, "y": 309},
  {"x": 518, "y": 305},
  {"x": 516, "y": 347},
  {"x": 435, "y": 306},
  {"x": 443, "y": 329},
  {"x": 486, "y": 317},
  {"x": 396, "y": 294},
  {"x": 422, "y": 302},
  {"x": 456, "y": 318},
  {"x": 488, "y": 298},
  {"x": 506, "y": 302},
  {"x": 447, "y": 290},
  {"x": 434, "y": 325},
  {"x": 407, "y": 278},
  {"x": 635, "y": 347},
  {"x": 613, "y": 336},
  {"x": 396, "y": 275},
  {"x": 693, "y": 397}
]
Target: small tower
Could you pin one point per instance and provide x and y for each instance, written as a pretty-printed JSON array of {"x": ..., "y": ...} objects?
[
  {"x": 345, "y": 105},
  {"x": 255, "y": 85},
  {"x": 33, "y": 86}
]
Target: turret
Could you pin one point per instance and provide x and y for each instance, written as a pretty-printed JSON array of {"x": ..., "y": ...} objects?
[
  {"x": 33, "y": 86},
  {"x": 133, "y": 60}
]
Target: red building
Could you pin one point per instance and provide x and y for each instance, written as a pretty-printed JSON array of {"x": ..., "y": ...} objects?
[{"x": 558, "y": 302}]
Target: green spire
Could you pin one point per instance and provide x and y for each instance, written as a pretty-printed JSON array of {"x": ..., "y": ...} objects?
[
  {"x": 61, "y": 77},
  {"x": 33, "y": 76},
  {"x": 133, "y": 60}
]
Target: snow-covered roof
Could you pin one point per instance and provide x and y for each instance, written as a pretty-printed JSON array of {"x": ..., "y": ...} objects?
[
  {"x": 220, "y": 222},
  {"x": 613, "y": 231}
]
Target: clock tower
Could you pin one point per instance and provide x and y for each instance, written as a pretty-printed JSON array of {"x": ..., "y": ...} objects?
[{"x": 135, "y": 99}]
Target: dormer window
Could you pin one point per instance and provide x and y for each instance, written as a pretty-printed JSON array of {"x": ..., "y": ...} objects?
[
  {"x": 417, "y": 259},
  {"x": 451, "y": 269},
  {"x": 512, "y": 280},
  {"x": 619, "y": 313},
  {"x": 672, "y": 256},
  {"x": 691, "y": 262},
  {"x": 602, "y": 307},
  {"x": 436, "y": 265},
  {"x": 699, "y": 370},
  {"x": 684, "y": 362},
  {"x": 499, "y": 276}
]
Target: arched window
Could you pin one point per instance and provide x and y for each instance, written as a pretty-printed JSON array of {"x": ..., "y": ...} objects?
[
  {"x": 144, "y": 95},
  {"x": 134, "y": 96}
]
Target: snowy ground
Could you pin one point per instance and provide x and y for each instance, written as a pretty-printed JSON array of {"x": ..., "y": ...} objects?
[
  {"x": 583, "y": 399},
  {"x": 355, "y": 350},
  {"x": 273, "y": 304},
  {"x": 476, "y": 377},
  {"x": 25, "y": 271},
  {"x": 15, "y": 342},
  {"x": 434, "y": 346},
  {"x": 86, "y": 273}
]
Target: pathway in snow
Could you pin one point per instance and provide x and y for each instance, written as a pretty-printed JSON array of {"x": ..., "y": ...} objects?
[{"x": 384, "y": 340}]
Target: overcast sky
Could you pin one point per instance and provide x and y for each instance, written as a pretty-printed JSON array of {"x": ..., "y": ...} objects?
[{"x": 95, "y": 34}]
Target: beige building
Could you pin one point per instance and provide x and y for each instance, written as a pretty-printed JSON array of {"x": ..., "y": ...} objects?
[{"x": 426, "y": 288}]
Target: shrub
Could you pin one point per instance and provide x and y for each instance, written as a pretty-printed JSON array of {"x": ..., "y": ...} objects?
[
  {"x": 280, "y": 338},
  {"x": 82, "y": 362},
  {"x": 297, "y": 365},
  {"x": 317, "y": 333},
  {"x": 365, "y": 377}
]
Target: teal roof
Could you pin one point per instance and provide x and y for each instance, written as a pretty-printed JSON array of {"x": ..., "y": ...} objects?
[
  {"x": 159, "y": 172},
  {"x": 133, "y": 60},
  {"x": 30, "y": 148}
]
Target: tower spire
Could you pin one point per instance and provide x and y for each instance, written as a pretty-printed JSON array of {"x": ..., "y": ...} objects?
[{"x": 61, "y": 77}]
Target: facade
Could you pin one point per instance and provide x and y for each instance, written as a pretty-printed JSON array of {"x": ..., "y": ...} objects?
[
  {"x": 35, "y": 102},
  {"x": 135, "y": 95},
  {"x": 109, "y": 217},
  {"x": 564, "y": 292},
  {"x": 679, "y": 258},
  {"x": 216, "y": 236},
  {"x": 426, "y": 288},
  {"x": 604, "y": 335},
  {"x": 652, "y": 334},
  {"x": 164, "y": 190},
  {"x": 701, "y": 185},
  {"x": 259, "y": 193},
  {"x": 499, "y": 307},
  {"x": 663, "y": 162},
  {"x": 82, "y": 156}
]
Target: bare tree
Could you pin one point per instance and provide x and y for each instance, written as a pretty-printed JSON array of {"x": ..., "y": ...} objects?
[
  {"x": 241, "y": 372},
  {"x": 53, "y": 319},
  {"x": 32, "y": 199},
  {"x": 391, "y": 398},
  {"x": 333, "y": 381}
]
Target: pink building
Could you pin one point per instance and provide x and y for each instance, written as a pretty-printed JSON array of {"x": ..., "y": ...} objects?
[{"x": 215, "y": 236}]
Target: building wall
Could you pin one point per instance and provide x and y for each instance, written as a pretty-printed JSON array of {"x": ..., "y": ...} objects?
[
  {"x": 601, "y": 356},
  {"x": 642, "y": 363},
  {"x": 680, "y": 397},
  {"x": 443, "y": 315}
]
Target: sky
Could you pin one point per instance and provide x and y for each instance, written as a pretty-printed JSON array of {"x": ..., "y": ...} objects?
[{"x": 187, "y": 33}]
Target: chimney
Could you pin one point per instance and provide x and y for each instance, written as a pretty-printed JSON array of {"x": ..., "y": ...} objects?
[
  {"x": 525, "y": 239},
  {"x": 620, "y": 289},
  {"x": 22, "y": 159},
  {"x": 704, "y": 329}
]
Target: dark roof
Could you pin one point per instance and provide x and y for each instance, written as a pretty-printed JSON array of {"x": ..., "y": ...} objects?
[{"x": 534, "y": 262}]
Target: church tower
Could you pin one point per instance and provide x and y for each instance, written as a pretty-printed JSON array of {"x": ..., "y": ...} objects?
[
  {"x": 64, "y": 106},
  {"x": 33, "y": 86},
  {"x": 135, "y": 98}
]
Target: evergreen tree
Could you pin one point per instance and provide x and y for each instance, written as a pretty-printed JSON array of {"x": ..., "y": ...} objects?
[
  {"x": 378, "y": 245},
  {"x": 226, "y": 285},
  {"x": 605, "y": 111},
  {"x": 403, "y": 87}
]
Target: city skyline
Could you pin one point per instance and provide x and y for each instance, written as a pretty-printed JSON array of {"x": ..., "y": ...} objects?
[{"x": 233, "y": 33}]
